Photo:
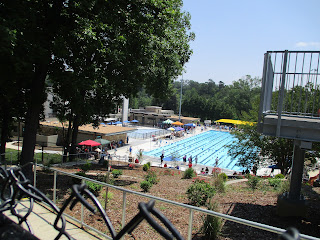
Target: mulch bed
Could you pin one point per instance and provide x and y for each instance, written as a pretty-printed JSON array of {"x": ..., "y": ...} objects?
[{"x": 238, "y": 201}]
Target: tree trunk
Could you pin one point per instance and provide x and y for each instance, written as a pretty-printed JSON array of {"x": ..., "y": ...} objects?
[
  {"x": 75, "y": 129},
  {"x": 32, "y": 119},
  {"x": 66, "y": 141},
  {"x": 4, "y": 136}
]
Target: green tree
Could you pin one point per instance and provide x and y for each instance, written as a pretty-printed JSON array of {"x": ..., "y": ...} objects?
[{"x": 113, "y": 46}]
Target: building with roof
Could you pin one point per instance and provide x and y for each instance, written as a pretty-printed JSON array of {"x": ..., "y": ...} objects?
[{"x": 153, "y": 115}]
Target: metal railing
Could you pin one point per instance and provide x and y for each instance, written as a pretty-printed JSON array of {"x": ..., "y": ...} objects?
[
  {"x": 147, "y": 135},
  {"x": 189, "y": 208},
  {"x": 291, "y": 84}
]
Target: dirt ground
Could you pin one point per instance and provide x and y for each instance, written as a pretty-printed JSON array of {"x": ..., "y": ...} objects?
[{"x": 239, "y": 201}]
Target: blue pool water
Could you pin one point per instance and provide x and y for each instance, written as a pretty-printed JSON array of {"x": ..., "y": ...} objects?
[{"x": 207, "y": 146}]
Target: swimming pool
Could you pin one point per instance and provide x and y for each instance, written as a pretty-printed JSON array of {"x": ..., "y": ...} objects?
[{"x": 206, "y": 146}]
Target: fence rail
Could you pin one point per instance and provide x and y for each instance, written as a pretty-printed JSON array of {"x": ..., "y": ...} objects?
[
  {"x": 188, "y": 208},
  {"x": 291, "y": 84}
]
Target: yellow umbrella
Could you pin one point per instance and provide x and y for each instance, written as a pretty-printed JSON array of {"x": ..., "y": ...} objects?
[{"x": 171, "y": 129}]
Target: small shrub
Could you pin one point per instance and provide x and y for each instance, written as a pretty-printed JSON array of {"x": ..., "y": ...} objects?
[
  {"x": 151, "y": 177},
  {"x": 199, "y": 192},
  {"x": 189, "y": 173},
  {"x": 131, "y": 166},
  {"x": 279, "y": 176},
  {"x": 116, "y": 173},
  {"x": 253, "y": 182},
  {"x": 275, "y": 183},
  {"x": 223, "y": 176},
  {"x": 149, "y": 163},
  {"x": 94, "y": 188},
  {"x": 212, "y": 225},
  {"x": 110, "y": 195},
  {"x": 219, "y": 184},
  {"x": 248, "y": 175},
  {"x": 284, "y": 187},
  {"x": 145, "y": 185},
  {"x": 85, "y": 167},
  {"x": 146, "y": 167}
]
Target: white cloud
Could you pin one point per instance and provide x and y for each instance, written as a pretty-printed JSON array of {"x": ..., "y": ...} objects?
[{"x": 307, "y": 44}]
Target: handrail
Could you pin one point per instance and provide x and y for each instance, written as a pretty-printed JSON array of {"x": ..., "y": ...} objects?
[{"x": 213, "y": 213}]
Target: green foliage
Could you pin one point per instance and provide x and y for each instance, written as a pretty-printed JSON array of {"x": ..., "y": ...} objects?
[
  {"x": 219, "y": 183},
  {"x": 253, "y": 183},
  {"x": 146, "y": 167},
  {"x": 151, "y": 177},
  {"x": 284, "y": 187},
  {"x": 116, "y": 173},
  {"x": 110, "y": 195},
  {"x": 212, "y": 225},
  {"x": 223, "y": 176},
  {"x": 94, "y": 187},
  {"x": 279, "y": 176},
  {"x": 85, "y": 167},
  {"x": 275, "y": 182},
  {"x": 189, "y": 173},
  {"x": 149, "y": 164},
  {"x": 145, "y": 185},
  {"x": 199, "y": 192}
]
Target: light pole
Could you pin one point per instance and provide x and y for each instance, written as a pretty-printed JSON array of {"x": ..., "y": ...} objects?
[{"x": 180, "y": 100}]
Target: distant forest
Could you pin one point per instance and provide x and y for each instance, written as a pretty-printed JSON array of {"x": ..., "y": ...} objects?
[{"x": 208, "y": 100}]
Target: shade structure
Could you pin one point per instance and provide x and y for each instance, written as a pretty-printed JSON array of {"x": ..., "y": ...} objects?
[
  {"x": 90, "y": 143},
  {"x": 102, "y": 141},
  {"x": 178, "y": 128},
  {"x": 237, "y": 122},
  {"x": 110, "y": 123},
  {"x": 118, "y": 122},
  {"x": 177, "y": 123},
  {"x": 171, "y": 129},
  {"x": 126, "y": 121},
  {"x": 102, "y": 124},
  {"x": 168, "y": 121},
  {"x": 134, "y": 121},
  {"x": 190, "y": 125}
]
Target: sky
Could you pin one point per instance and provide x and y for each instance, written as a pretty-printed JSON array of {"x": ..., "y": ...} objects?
[{"x": 233, "y": 35}]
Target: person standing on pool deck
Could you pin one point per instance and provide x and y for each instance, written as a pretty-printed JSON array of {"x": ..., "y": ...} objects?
[
  {"x": 196, "y": 159},
  {"x": 161, "y": 158},
  {"x": 217, "y": 161},
  {"x": 184, "y": 158}
]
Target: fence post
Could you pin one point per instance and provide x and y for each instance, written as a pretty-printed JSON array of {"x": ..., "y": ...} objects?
[
  {"x": 82, "y": 208},
  {"x": 124, "y": 205},
  {"x": 190, "y": 225},
  {"x": 54, "y": 186},
  {"x": 35, "y": 173}
]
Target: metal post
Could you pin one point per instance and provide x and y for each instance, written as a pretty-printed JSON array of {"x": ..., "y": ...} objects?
[
  {"x": 124, "y": 205},
  {"x": 180, "y": 100},
  {"x": 190, "y": 225},
  {"x": 35, "y": 173},
  {"x": 54, "y": 186},
  {"x": 281, "y": 92},
  {"x": 82, "y": 208},
  {"x": 297, "y": 171}
]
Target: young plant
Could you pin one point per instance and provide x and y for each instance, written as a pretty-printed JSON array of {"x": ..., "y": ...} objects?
[
  {"x": 199, "y": 192},
  {"x": 189, "y": 173},
  {"x": 212, "y": 225},
  {"x": 151, "y": 177},
  {"x": 116, "y": 173},
  {"x": 253, "y": 183},
  {"x": 145, "y": 185}
]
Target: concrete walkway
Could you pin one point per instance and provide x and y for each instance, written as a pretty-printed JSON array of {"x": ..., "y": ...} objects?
[{"x": 41, "y": 220}]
